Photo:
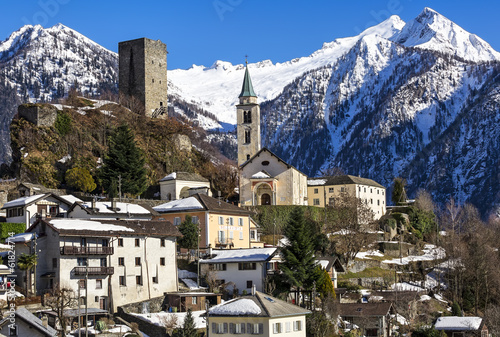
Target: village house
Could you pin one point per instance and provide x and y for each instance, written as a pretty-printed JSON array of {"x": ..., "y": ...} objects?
[
  {"x": 455, "y": 326},
  {"x": 239, "y": 269},
  {"x": 28, "y": 209},
  {"x": 333, "y": 266},
  {"x": 178, "y": 185},
  {"x": 117, "y": 262},
  {"x": 26, "y": 324},
  {"x": 221, "y": 224},
  {"x": 326, "y": 191},
  {"x": 257, "y": 314},
  {"x": 373, "y": 318},
  {"x": 110, "y": 210}
]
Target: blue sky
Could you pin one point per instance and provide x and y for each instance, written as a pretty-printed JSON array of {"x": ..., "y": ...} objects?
[{"x": 203, "y": 31}]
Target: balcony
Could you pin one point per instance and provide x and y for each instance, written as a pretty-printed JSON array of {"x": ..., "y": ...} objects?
[
  {"x": 78, "y": 250},
  {"x": 94, "y": 271},
  {"x": 223, "y": 242}
]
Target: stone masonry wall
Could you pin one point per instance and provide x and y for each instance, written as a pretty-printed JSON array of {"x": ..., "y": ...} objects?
[{"x": 38, "y": 114}]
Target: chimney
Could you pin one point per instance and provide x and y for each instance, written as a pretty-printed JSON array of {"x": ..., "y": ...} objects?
[
  {"x": 45, "y": 321},
  {"x": 92, "y": 205},
  {"x": 209, "y": 250},
  {"x": 113, "y": 204},
  {"x": 253, "y": 290}
]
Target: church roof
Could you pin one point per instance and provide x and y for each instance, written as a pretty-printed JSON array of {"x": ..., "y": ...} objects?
[
  {"x": 247, "y": 88},
  {"x": 272, "y": 154}
]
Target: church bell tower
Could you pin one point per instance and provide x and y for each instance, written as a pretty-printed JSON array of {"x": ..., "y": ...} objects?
[{"x": 248, "y": 121}]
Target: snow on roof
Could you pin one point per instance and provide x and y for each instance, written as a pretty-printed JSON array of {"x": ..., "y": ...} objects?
[
  {"x": 22, "y": 201},
  {"x": 458, "y": 323},
  {"x": 88, "y": 225},
  {"x": 240, "y": 255},
  {"x": 71, "y": 198},
  {"x": 170, "y": 176},
  {"x": 191, "y": 284},
  {"x": 179, "y": 205},
  {"x": 121, "y": 207},
  {"x": 23, "y": 237},
  {"x": 159, "y": 317},
  {"x": 322, "y": 263},
  {"x": 260, "y": 175},
  {"x": 4, "y": 246},
  {"x": 236, "y": 307},
  {"x": 316, "y": 182}
]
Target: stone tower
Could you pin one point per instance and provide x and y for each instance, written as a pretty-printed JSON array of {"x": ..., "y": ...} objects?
[
  {"x": 143, "y": 76},
  {"x": 248, "y": 121}
]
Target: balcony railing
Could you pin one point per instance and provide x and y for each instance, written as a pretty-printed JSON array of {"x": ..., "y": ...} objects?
[
  {"x": 77, "y": 250},
  {"x": 94, "y": 270},
  {"x": 224, "y": 242}
]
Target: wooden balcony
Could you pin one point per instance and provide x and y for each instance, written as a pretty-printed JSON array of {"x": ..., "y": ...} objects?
[
  {"x": 94, "y": 271},
  {"x": 78, "y": 250}
]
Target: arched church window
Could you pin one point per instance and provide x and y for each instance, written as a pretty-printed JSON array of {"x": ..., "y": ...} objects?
[
  {"x": 247, "y": 136},
  {"x": 247, "y": 117}
]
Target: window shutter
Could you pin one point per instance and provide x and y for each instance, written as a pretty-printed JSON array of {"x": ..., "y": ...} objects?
[
  {"x": 261, "y": 328},
  {"x": 242, "y": 327},
  {"x": 231, "y": 327},
  {"x": 225, "y": 327},
  {"x": 214, "y": 328},
  {"x": 249, "y": 328}
]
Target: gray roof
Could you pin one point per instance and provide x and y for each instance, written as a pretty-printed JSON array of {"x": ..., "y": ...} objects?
[
  {"x": 186, "y": 176},
  {"x": 269, "y": 307},
  {"x": 348, "y": 180},
  {"x": 33, "y": 321}
]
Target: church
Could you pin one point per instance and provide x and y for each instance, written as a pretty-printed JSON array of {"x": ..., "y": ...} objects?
[{"x": 265, "y": 179}]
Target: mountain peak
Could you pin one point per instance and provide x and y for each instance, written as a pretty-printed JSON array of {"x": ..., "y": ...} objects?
[{"x": 431, "y": 30}]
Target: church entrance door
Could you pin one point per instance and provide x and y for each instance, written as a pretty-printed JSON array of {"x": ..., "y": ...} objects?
[{"x": 265, "y": 199}]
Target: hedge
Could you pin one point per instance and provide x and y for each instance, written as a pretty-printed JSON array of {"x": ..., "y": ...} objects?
[{"x": 10, "y": 227}]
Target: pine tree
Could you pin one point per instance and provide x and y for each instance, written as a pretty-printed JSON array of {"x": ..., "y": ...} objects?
[
  {"x": 298, "y": 266},
  {"x": 124, "y": 164},
  {"x": 189, "y": 329},
  {"x": 189, "y": 232}
]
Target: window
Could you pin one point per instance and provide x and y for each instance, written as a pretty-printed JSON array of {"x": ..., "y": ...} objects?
[
  {"x": 222, "y": 237},
  {"x": 297, "y": 325},
  {"x": 382, "y": 192},
  {"x": 162, "y": 242},
  {"x": 378, "y": 202},
  {"x": 265, "y": 163},
  {"x": 240, "y": 221},
  {"x": 12, "y": 329},
  {"x": 82, "y": 300},
  {"x": 219, "y": 328},
  {"x": 364, "y": 189},
  {"x": 231, "y": 221},
  {"x": 316, "y": 202},
  {"x": 371, "y": 190},
  {"x": 162, "y": 261},
  {"x": 241, "y": 235},
  {"x": 221, "y": 220},
  {"x": 249, "y": 284},
  {"x": 122, "y": 280},
  {"x": 378, "y": 191},
  {"x": 103, "y": 262},
  {"x": 252, "y": 235},
  {"x": 81, "y": 284},
  {"x": 54, "y": 263},
  {"x": 255, "y": 328},
  {"x": 120, "y": 242},
  {"x": 217, "y": 266},
  {"x": 247, "y": 136},
  {"x": 153, "y": 80},
  {"x": 53, "y": 211},
  {"x": 121, "y": 261},
  {"x": 81, "y": 261},
  {"x": 343, "y": 189},
  {"x": 177, "y": 221},
  {"x": 137, "y": 261},
  {"x": 239, "y": 328},
  {"x": 83, "y": 242},
  {"x": 316, "y": 191},
  {"x": 138, "y": 280},
  {"x": 137, "y": 243},
  {"x": 247, "y": 266},
  {"x": 98, "y": 284},
  {"x": 155, "y": 279},
  {"x": 331, "y": 189},
  {"x": 371, "y": 201},
  {"x": 287, "y": 327},
  {"x": 247, "y": 117},
  {"x": 105, "y": 242},
  {"x": 195, "y": 220},
  {"x": 194, "y": 299},
  {"x": 248, "y": 157},
  {"x": 331, "y": 202},
  {"x": 277, "y": 328}
]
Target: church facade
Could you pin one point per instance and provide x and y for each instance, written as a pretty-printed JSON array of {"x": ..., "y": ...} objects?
[{"x": 265, "y": 179}]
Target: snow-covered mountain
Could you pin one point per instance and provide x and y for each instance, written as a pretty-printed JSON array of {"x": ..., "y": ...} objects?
[{"x": 417, "y": 99}]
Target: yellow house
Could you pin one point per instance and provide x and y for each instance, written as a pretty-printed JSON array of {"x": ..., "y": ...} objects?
[
  {"x": 325, "y": 190},
  {"x": 222, "y": 225}
]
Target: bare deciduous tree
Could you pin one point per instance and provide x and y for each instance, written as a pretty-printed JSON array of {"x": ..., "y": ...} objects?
[{"x": 61, "y": 298}]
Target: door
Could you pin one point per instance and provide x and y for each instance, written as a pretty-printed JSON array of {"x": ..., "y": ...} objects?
[
  {"x": 103, "y": 303},
  {"x": 265, "y": 199}
]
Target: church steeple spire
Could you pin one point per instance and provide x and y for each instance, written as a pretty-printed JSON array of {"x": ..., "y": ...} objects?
[{"x": 247, "y": 88}]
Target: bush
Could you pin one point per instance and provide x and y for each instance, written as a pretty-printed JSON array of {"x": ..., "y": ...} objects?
[
  {"x": 81, "y": 179},
  {"x": 63, "y": 123},
  {"x": 11, "y": 227}
]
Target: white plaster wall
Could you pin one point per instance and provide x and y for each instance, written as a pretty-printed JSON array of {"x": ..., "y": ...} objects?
[
  {"x": 240, "y": 277},
  {"x": 267, "y": 323},
  {"x": 174, "y": 187}
]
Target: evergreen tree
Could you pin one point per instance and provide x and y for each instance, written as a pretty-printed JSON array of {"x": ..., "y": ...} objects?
[
  {"x": 298, "y": 266},
  {"x": 189, "y": 232},
  {"x": 124, "y": 164},
  {"x": 189, "y": 329},
  {"x": 398, "y": 191},
  {"x": 324, "y": 284}
]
